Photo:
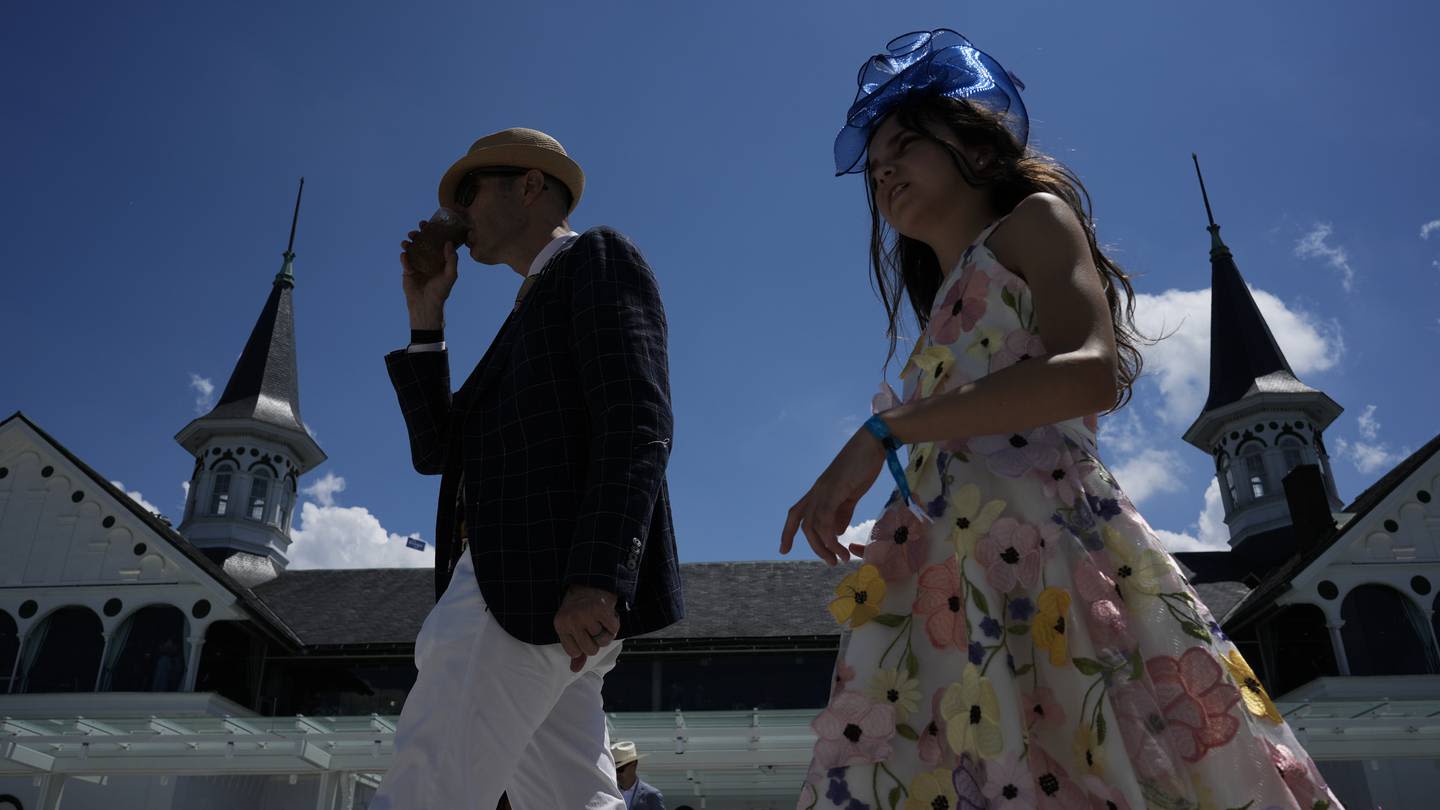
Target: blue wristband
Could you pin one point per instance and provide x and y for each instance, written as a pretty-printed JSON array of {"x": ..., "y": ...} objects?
[{"x": 881, "y": 431}]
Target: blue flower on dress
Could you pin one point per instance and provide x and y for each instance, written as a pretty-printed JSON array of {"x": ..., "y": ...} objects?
[
  {"x": 1022, "y": 609},
  {"x": 839, "y": 792},
  {"x": 1104, "y": 508},
  {"x": 1216, "y": 631},
  {"x": 977, "y": 653},
  {"x": 990, "y": 627}
]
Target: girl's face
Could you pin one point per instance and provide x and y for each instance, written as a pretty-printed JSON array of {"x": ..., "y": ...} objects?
[{"x": 916, "y": 185}]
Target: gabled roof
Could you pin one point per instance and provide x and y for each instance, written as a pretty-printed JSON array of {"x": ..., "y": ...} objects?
[
  {"x": 1278, "y": 581},
  {"x": 264, "y": 617}
]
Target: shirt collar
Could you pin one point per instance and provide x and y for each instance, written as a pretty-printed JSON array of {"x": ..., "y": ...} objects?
[{"x": 548, "y": 252}]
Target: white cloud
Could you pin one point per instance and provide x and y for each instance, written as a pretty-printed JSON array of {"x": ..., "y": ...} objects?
[
  {"x": 1315, "y": 245},
  {"x": 350, "y": 537},
  {"x": 1179, "y": 364},
  {"x": 1209, "y": 531},
  {"x": 1149, "y": 472},
  {"x": 325, "y": 488},
  {"x": 138, "y": 498},
  {"x": 859, "y": 535},
  {"x": 204, "y": 393},
  {"x": 1429, "y": 228},
  {"x": 1368, "y": 454},
  {"x": 1369, "y": 427}
]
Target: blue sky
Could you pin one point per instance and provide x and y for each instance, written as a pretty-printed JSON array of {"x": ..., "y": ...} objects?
[{"x": 152, "y": 152}]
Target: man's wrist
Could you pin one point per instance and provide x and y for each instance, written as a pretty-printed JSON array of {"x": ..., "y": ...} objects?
[{"x": 427, "y": 320}]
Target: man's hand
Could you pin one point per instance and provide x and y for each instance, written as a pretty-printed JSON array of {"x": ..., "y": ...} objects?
[
  {"x": 425, "y": 294},
  {"x": 586, "y": 622}
]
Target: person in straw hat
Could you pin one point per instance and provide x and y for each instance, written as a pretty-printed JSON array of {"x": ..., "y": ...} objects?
[
  {"x": 639, "y": 795},
  {"x": 553, "y": 533}
]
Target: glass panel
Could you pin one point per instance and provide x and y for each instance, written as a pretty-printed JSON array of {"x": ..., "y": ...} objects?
[
  {"x": 151, "y": 657},
  {"x": 259, "y": 488},
  {"x": 220, "y": 501},
  {"x": 9, "y": 648},
  {"x": 1255, "y": 466},
  {"x": 1385, "y": 634},
  {"x": 719, "y": 681},
  {"x": 63, "y": 653}
]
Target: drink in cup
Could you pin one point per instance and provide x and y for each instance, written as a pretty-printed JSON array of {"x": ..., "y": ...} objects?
[{"x": 426, "y": 253}]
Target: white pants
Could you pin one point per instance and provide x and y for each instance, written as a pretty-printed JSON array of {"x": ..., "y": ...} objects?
[{"x": 492, "y": 714}]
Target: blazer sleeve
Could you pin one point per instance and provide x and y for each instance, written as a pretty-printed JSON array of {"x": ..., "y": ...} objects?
[
  {"x": 422, "y": 384},
  {"x": 620, "y": 347}
]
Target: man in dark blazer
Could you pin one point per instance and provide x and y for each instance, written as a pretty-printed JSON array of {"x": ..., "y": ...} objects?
[{"x": 553, "y": 534}]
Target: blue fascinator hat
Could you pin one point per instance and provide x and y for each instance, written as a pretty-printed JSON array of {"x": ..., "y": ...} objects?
[{"x": 940, "y": 62}]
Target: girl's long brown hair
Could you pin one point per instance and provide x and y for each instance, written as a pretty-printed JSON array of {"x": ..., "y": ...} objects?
[{"x": 906, "y": 267}]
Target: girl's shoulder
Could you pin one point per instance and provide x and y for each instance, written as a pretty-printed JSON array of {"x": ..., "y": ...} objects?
[{"x": 1041, "y": 226}]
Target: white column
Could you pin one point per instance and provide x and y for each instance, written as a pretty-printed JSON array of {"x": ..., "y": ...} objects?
[
  {"x": 192, "y": 662},
  {"x": 51, "y": 788},
  {"x": 1342, "y": 661}
]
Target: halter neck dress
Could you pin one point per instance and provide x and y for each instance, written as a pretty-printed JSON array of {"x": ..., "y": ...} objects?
[{"x": 1029, "y": 643}]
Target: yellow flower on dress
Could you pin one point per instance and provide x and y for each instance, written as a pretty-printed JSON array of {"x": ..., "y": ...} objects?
[
  {"x": 920, "y": 457},
  {"x": 1088, "y": 753},
  {"x": 934, "y": 363},
  {"x": 896, "y": 688},
  {"x": 1256, "y": 699},
  {"x": 1049, "y": 625},
  {"x": 988, "y": 340},
  {"x": 971, "y": 519},
  {"x": 931, "y": 790},
  {"x": 972, "y": 715},
  {"x": 858, "y": 597},
  {"x": 1138, "y": 570}
]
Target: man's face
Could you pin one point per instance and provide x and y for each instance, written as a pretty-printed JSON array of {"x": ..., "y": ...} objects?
[
  {"x": 627, "y": 774},
  {"x": 495, "y": 213}
]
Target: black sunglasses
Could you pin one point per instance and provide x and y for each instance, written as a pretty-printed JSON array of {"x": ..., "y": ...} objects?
[{"x": 469, "y": 185}]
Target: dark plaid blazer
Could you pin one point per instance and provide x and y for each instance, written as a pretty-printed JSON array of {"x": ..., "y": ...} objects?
[{"x": 562, "y": 433}]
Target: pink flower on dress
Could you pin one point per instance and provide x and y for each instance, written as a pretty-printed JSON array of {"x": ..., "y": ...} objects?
[
  {"x": 1195, "y": 697},
  {"x": 844, "y": 673},
  {"x": 1061, "y": 481},
  {"x": 934, "y": 746},
  {"x": 1053, "y": 787},
  {"x": 1009, "y": 784},
  {"x": 1107, "y": 622},
  {"x": 897, "y": 543},
  {"x": 1141, "y": 726},
  {"x": 1020, "y": 344},
  {"x": 885, "y": 400},
  {"x": 941, "y": 600},
  {"x": 1102, "y": 796},
  {"x": 1042, "y": 711},
  {"x": 1011, "y": 554},
  {"x": 961, "y": 308},
  {"x": 1300, "y": 775},
  {"x": 1019, "y": 454},
  {"x": 853, "y": 729}
]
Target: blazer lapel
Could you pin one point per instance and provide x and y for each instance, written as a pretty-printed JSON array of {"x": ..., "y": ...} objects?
[{"x": 495, "y": 358}]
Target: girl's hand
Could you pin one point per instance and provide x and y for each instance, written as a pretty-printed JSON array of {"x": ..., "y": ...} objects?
[{"x": 825, "y": 511}]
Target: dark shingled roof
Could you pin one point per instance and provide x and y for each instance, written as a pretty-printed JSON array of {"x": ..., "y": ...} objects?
[
  {"x": 385, "y": 606},
  {"x": 1242, "y": 350},
  {"x": 265, "y": 385}
]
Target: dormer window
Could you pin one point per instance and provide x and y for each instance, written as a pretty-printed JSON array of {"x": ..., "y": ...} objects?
[
  {"x": 1252, "y": 460},
  {"x": 259, "y": 494},
  {"x": 1294, "y": 455},
  {"x": 220, "y": 493}
]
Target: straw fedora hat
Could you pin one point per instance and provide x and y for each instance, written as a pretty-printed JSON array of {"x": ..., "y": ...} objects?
[
  {"x": 624, "y": 752},
  {"x": 525, "y": 148}
]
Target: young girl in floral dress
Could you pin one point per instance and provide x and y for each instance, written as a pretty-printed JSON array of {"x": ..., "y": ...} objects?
[{"x": 1019, "y": 637}]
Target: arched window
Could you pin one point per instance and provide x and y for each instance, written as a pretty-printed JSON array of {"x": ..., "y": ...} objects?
[
  {"x": 9, "y": 648},
  {"x": 220, "y": 492},
  {"x": 230, "y": 662},
  {"x": 1385, "y": 634},
  {"x": 148, "y": 652},
  {"x": 1297, "y": 648},
  {"x": 62, "y": 653},
  {"x": 1291, "y": 447},
  {"x": 259, "y": 494},
  {"x": 1227, "y": 478},
  {"x": 1252, "y": 461}
]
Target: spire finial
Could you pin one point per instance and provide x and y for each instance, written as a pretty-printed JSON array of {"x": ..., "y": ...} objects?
[
  {"x": 1215, "y": 243},
  {"x": 287, "y": 271}
]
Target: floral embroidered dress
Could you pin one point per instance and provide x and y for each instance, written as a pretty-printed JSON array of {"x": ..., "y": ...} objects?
[{"x": 1033, "y": 645}]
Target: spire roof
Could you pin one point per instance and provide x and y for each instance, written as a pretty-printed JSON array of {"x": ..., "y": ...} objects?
[
  {"x": 1243, "y": 352},
  {"x": 264, "y": 387}
]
